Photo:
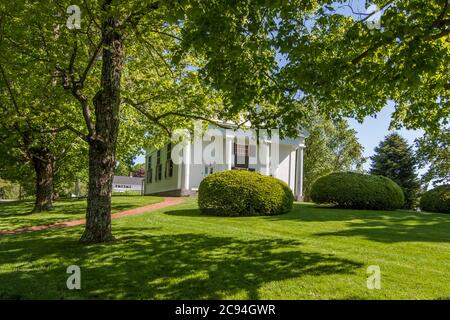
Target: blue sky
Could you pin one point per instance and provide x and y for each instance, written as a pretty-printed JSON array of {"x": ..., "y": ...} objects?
[{"x": 374, "y": 129}]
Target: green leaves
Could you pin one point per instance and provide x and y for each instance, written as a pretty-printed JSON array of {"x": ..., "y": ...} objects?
[
  {"x": 358, "y": 191},
  {"x": 433, "y": 153},
  {"x": 331, "y": 147},
  {"x": 354, "y": 71}
]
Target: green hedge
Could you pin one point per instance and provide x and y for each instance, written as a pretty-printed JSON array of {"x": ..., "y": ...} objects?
[
  {"x": 243, "y": 193},
  {"x": 436, "y": 200},
  {"x": 358, "y": 191}
]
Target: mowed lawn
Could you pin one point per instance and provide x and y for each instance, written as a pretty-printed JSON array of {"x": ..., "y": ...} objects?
[
  {"x": 176, "y": 253},
  {"x": 18, "y": 214}
]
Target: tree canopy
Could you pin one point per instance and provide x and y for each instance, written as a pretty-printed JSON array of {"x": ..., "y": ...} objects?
[
  {"x": 36, "y": 149},
  {"x": 144, "y": 68},
  {"x": 354, "y": 70}
]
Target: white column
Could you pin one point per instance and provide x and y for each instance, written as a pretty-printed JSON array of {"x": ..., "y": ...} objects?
[
  {"x": 268, "y": 164},
  {"x": 187, "y": 166},
  {"x": 229, "y": 151},
  {"x": 299, "y": 191},
  {"x": 292, "y": 163},
  {"x": 180, "y": 173}
]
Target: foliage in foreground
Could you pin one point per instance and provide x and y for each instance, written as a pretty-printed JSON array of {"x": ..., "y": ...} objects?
[
  {"x": 243, "y": 193},
  {"x": 436, "y": 200},
  {"x": 358, "y": 191}
]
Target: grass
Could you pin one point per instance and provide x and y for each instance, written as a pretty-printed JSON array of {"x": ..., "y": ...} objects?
[
  {"x": 17, "y": 214},
  {"x": 176, "y": 253}
]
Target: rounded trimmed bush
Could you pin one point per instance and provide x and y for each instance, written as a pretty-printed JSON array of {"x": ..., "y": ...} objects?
[
  {"x": 436, "y": 200},
  {"x": 243, "y": 193},
  {"x": 358, "y": 191}
]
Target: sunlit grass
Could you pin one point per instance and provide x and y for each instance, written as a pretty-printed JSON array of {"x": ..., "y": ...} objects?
[
  {"x": 18, "y": 214},
  {"x": 176, "y": 253}
]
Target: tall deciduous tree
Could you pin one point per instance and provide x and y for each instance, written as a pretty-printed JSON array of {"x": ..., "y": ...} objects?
[
  {"x": 331, "y": 146},
  {"x": 433, "y": 153},
  {"x": 395, "y": 159},
  {"x": 35, "y": 140}
]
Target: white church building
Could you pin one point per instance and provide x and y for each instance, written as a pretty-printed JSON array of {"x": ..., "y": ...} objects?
[{"x": 177, "y": 169}]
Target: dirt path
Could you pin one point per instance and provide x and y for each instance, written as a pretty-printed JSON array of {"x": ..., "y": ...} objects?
[{"x": 168, "y": 201}]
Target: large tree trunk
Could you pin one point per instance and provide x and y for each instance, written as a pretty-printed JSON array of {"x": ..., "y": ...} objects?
[
  {"x": 102, "y": 145},
  {"x": 44, "y": 164}
]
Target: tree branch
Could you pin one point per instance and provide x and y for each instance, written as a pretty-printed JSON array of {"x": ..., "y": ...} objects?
[
  {"x": 8, "y": 86},
  {"x": 441, "y": 34},
  {"x": 148, "y": 116},
  {"x": 166, "y": 34},
  {"x": 69, "y": 83},
  {"x": 152, "y": 48},
  {"x": 136, "y": 16},
  {"x": 371, "y": 14},
  {"x": 66, "y": 127},
  {"x": 72, "y": 63},
  {"x": 90, "y": 63},
  {"x": 366, "y": 52}
]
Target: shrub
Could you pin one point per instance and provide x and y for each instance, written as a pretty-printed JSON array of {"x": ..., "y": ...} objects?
[
  {"x": 358, "y": 191},
  {"x": 243, "y": 193},
  {"x": 436, "y": 200}
]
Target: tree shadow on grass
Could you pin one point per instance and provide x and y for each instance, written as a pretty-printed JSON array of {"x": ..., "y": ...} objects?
[
  {"x": 19, "y": 214},
  {"x": 16, "y": 208},
  {"x": 186, "y": 213},
  {"x": 391, "y": 230},
  {"x": 381, "y": 226},
  {"x": 145, "y": 265},
  {"x": 312, "y": 212},
  {"x": 66, "y": 206}
]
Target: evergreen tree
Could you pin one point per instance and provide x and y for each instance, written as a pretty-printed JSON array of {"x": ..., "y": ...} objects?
[{"x": 394, "y": 159}]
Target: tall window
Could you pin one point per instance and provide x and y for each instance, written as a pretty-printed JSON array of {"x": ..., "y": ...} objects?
[
  {"x": 149, "y": 170},
  {"x": 158, "y": 165},
  {"x": 169, "y": 163}
]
